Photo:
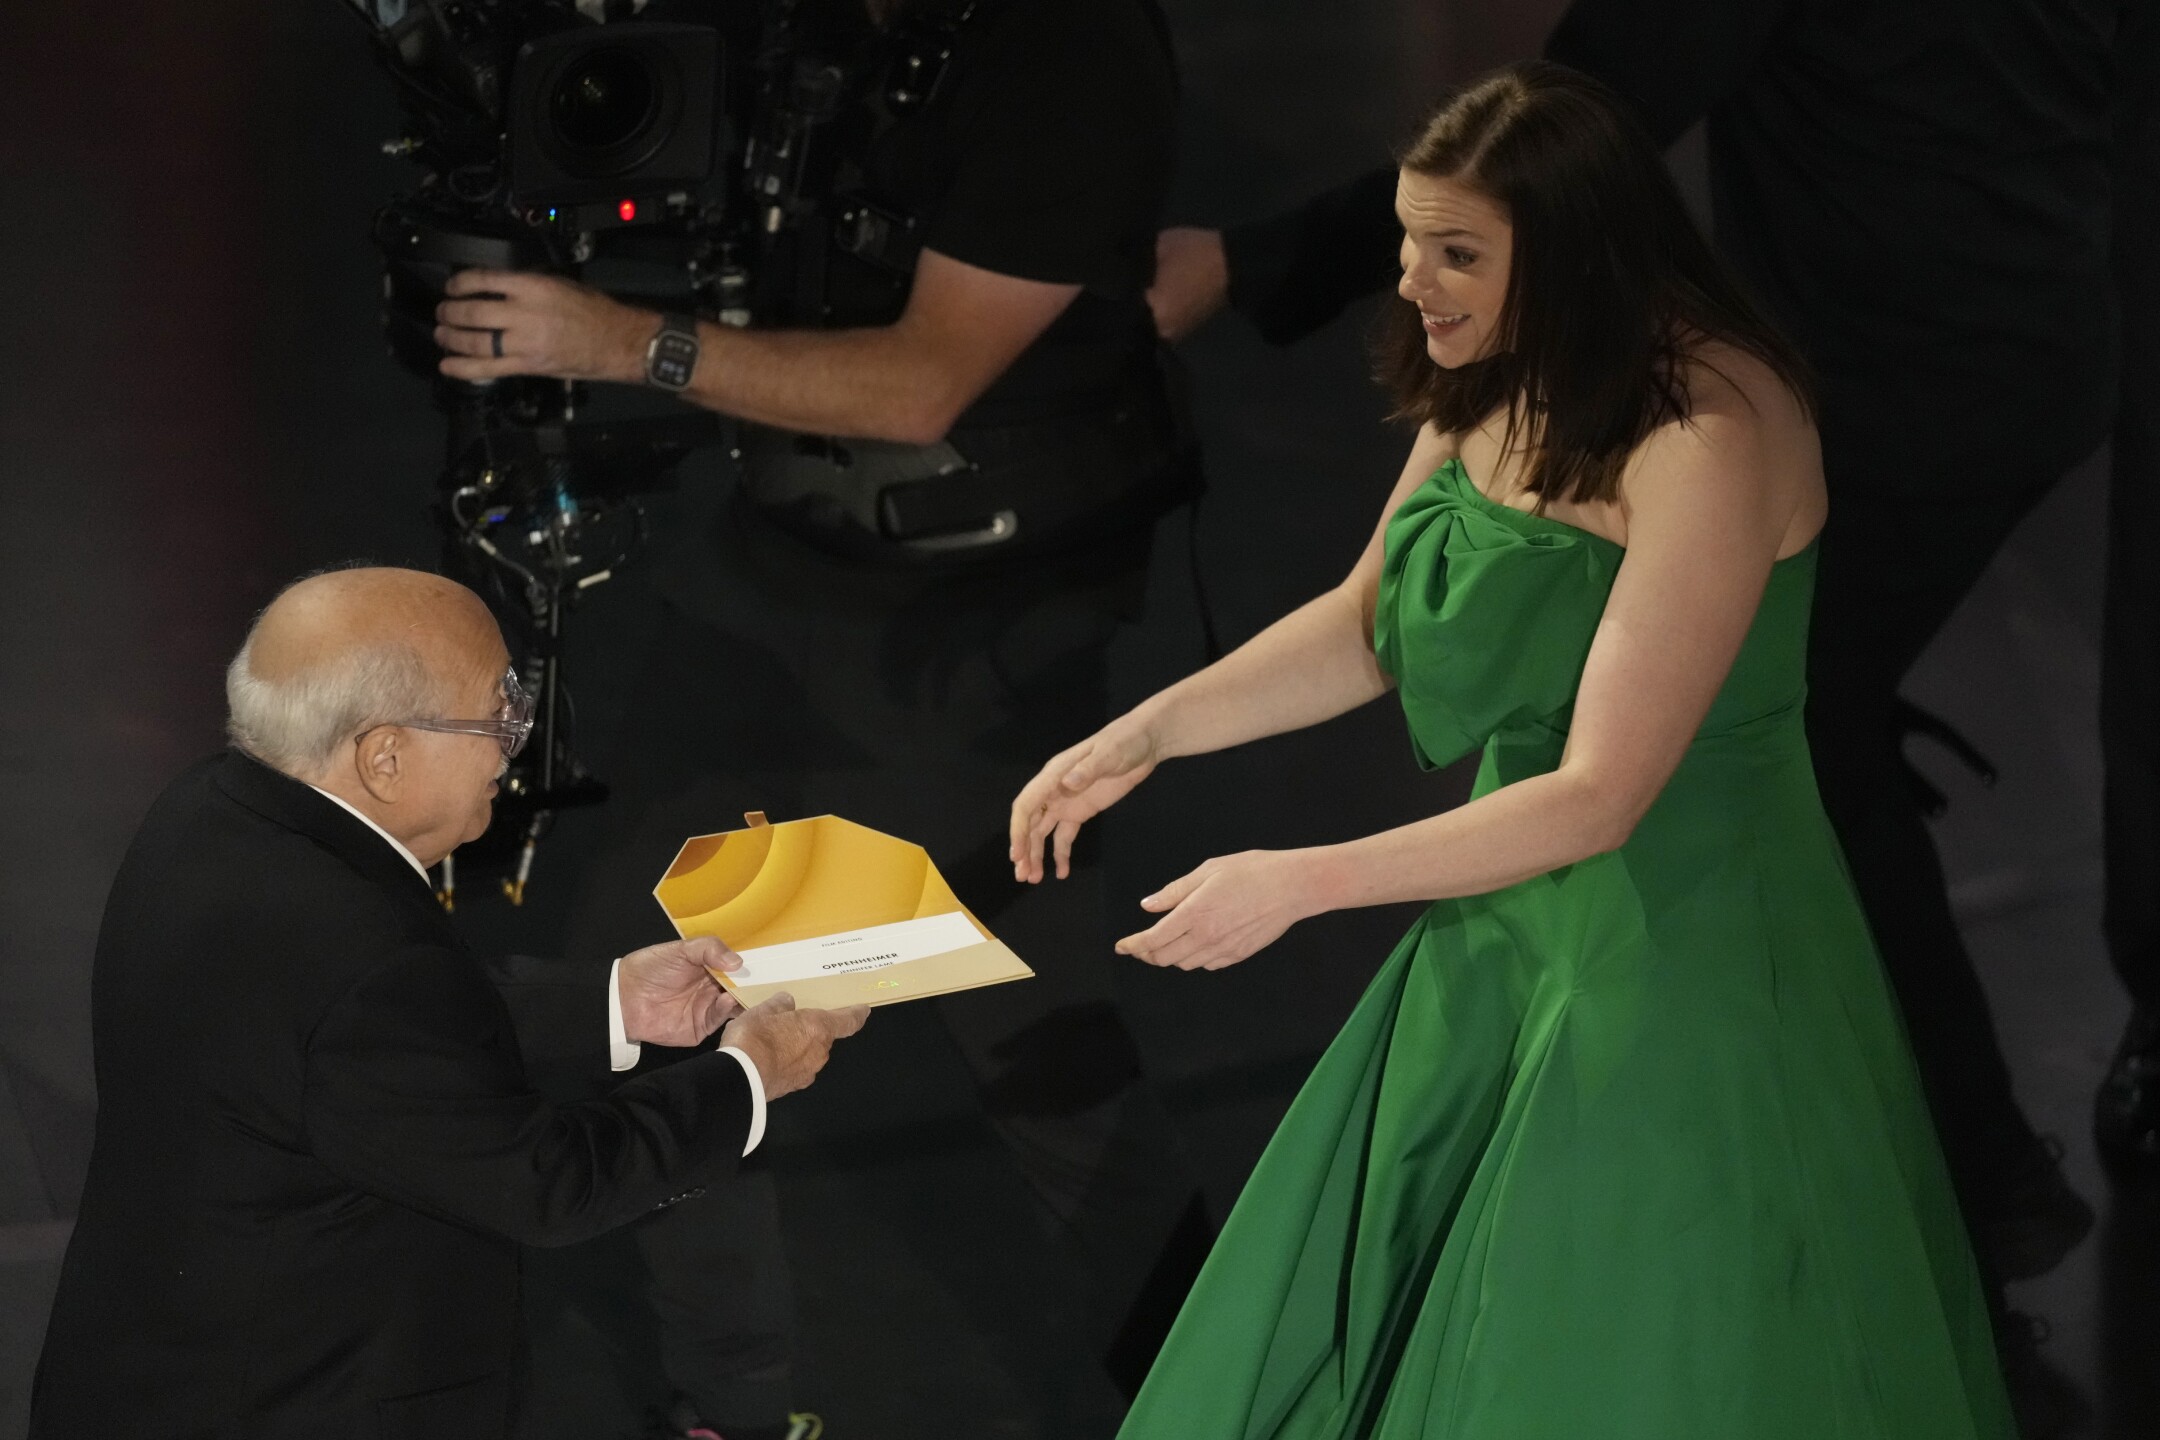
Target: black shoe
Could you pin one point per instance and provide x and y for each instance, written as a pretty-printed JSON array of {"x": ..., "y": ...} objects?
[
  {"x": 2047, "y": 1405},
  {"x": 2126, "y": 1112},
  {"x": 2037, "y": 1220}
]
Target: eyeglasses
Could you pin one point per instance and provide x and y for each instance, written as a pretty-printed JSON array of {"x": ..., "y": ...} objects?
[{"x": 511, "y": 728}]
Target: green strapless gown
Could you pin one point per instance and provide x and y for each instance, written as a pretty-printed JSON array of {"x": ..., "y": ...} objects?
[{"x": 1630, "y": 1151}]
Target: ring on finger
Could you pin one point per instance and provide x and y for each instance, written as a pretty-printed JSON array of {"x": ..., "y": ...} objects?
[{"x": 495, "y": 340}]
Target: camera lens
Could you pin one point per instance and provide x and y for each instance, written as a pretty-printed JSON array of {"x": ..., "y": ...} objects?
[{"x": 603, "y": 99}]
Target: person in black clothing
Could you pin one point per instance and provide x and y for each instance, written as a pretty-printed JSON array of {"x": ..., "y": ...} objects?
[
  {"x": 1921, "y": 194},
  {"x": 317, "y": 1145},
  {"x": 2127, "y": 1110},
  {"x": 959, "y": 434}
]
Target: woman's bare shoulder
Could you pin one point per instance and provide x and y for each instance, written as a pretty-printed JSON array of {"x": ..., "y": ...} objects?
[
  {"x": 1744, "y": 419},
  {"x": 1438, "y": 445},
  {"x": 1727, "y": 381},
  {"x": 1740, "y": 411}
]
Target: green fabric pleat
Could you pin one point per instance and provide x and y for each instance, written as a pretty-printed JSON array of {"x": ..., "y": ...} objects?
[{"x": 1630, "y": 1151}]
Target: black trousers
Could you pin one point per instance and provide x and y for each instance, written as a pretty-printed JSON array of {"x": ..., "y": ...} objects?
[
  {"x": 1914, "y": 521},
  {"x": 2130, "y": 701},
  {"x": 2130, "y": 640},
  {"x": 776, "y": 678},
  {"x": 1877, "y": 606}
]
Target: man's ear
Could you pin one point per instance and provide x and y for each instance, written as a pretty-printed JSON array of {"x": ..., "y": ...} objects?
[{"x": 380, "y": 763}]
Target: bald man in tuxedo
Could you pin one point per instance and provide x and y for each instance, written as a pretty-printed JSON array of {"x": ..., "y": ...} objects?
[{"x": 317, "y": 1148}]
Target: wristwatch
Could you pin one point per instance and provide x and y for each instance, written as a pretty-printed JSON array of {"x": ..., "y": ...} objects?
[{"x": 672, "y": 353}]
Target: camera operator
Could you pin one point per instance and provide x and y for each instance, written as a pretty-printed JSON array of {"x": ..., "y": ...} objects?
[{"x": 957, "y": 438}]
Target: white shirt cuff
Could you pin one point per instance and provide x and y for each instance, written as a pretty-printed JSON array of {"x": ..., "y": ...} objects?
[
  {"x": 623, "y": 1052},
  {"x": 757, "y": 1097}
]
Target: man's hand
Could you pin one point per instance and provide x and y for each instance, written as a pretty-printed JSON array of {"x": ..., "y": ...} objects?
[
  {"x": 669, "y": 996},
  {"x": 1228, "y": 909},
  {"x": 506, "y": 322},
  {"x": 1192, "y": 280},
  {"x": 790, "y": 1046}
]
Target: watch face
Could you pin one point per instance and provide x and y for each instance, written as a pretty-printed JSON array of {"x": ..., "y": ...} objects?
[{"x": 674, "y": 357}]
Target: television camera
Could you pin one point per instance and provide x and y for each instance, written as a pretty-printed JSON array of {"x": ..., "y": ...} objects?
[{"x": 664, "y": 155}]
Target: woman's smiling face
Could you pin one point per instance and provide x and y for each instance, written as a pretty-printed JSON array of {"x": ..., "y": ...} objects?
[{"x": 1455, "y": 253}]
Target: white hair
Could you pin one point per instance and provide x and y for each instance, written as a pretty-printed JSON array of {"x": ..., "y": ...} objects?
[{"x": 298, "y": 723}]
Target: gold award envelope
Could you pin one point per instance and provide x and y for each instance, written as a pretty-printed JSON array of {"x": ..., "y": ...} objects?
[{"x": 832, "y": 912}]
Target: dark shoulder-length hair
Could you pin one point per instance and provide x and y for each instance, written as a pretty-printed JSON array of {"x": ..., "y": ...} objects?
[{"x": 1611, "y": 289}]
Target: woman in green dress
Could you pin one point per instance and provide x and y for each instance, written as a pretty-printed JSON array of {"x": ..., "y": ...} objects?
[{"x": 1623, "y": 1142}]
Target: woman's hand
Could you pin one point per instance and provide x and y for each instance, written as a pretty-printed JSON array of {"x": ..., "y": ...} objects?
[
  {"x": 1230, "y": 908},
  {"x": 1075, "y": 787}
]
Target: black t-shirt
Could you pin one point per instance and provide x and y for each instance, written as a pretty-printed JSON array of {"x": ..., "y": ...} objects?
[
  {"x": 1045, "y": 153},
  {"x": 1918, "y": 190}
]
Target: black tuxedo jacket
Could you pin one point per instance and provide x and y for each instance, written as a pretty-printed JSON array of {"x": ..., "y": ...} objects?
[{"x": 317, "y": 1148}]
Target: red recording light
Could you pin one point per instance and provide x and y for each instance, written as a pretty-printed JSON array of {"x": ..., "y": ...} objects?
[{"x": 628, "y": 210}]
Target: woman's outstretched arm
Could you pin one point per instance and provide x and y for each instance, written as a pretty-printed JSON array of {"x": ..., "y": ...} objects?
[{"x": 1311, "y": 665}]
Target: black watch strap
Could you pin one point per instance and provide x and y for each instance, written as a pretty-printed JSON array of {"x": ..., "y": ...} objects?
[{"x": 671, "y": 356}]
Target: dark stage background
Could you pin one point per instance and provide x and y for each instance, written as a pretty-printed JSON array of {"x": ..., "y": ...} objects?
[{"x": 194, "y": 407}]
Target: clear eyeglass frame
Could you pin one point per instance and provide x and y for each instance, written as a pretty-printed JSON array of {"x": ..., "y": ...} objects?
[{"x": 511, "y": 729}]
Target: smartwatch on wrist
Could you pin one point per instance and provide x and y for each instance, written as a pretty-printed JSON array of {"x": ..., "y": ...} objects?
[{"x": 672, "y": 353}]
